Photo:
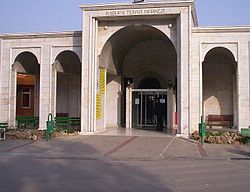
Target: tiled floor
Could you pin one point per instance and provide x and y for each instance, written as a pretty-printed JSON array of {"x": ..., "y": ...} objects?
[{"x": 138, "y": 132}]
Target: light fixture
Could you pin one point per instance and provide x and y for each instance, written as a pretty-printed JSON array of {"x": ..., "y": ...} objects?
[{"x": 170, "y": 84}]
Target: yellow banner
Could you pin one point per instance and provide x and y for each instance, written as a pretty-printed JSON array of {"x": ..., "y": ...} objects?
[
  {"x": 102, "y": 81},
  {"x": 98, "y": 106},
  {"x": 102, "y": 88}
]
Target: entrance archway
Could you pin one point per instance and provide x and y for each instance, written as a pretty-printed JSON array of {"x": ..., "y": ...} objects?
[
  {"x": 127, "y": 56},
  {"x": 219, "y": 84},
  {"x": 28, "y": 82},
  {"x": 68, "y": 91}
]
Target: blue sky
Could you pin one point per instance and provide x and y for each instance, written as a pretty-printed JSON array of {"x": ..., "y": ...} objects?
[{"x": 65, "y": 15}]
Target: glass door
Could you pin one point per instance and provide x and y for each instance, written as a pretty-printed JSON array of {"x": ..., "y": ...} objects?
[{"x": 144, "y": 106}]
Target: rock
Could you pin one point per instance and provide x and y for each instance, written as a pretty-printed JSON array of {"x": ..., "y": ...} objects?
[
  {"x": 195, "y": 136},
  {"x": 20, "y": 135},
  {"x": 236, "y": 143},
  {"x": 34, "y": 137},
  {"x": 223, "y": 139}
]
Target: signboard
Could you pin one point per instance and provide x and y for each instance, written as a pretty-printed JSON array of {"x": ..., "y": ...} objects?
[
  {"x": 137, "y": 101},
  {"x": 162, "y": 100}
]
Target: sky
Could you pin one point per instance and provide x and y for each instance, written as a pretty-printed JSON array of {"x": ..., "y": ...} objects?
[{"x": 65, "y": 15}]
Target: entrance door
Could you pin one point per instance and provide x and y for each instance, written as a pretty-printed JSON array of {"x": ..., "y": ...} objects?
[
  {"x": 143, "y": 107},
  {"x": 25, "y": 100}
]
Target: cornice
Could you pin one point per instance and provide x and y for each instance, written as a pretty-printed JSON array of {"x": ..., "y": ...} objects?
[
  {"x": 229, "y": 29},
  {"x": 41, "y": 35},
  {"x": 113, "y": 6}
]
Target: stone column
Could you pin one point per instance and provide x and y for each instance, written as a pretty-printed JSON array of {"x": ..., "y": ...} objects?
[
  {"x": 129, "y": 107},
  {"x": 170, "y": 111},
  {"x": 12, "y": 97},
  {"x": 1, "y": 47},
  {"x": 45, "y": 87},
  {"x": 89, "y": 74},
  {"x": 5, "y": 79},
  {"x": 183, "y": 38},
  {"x": 243, "y": 86},
  {"x": 53, "y": 90}
]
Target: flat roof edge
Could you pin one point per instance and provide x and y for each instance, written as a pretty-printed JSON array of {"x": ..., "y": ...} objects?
[
  {"x": 103, "y": 6},
  {"x": 222, "y": 29},
  {"x": 40, "y": 35}
]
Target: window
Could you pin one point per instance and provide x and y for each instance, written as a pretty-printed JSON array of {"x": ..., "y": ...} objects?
[{"x": 26, "y": 93}]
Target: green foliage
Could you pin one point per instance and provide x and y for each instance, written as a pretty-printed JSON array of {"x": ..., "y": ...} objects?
[{"x": 213, "y": 133}]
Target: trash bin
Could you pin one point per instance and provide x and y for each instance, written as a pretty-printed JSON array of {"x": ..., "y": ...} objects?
[
  {"x": 50, "y": 127},
  {"x": 202, "y": 131}
]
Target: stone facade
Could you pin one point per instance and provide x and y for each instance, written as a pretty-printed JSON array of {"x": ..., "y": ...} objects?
[{"x": 83, "y": 73}]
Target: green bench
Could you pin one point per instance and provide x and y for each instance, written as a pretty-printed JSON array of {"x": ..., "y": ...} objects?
[
  {"x": 29, "y": 122},
  {"x": 245, "y": 132},
  {"x": 3, "y": 127},
  {"x": 68, "y": 123}
]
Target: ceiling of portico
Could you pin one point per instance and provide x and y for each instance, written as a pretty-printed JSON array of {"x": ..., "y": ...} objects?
[{"x": 120, "y": 43}]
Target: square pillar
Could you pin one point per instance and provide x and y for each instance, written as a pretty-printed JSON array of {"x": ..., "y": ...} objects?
[
  {"x": 243, "y": 86},
  {"x": 170, "y": 109},
  {"x": 89, "y": 74},
  {"x": 45, "y": 87},
  {"x": 129, "y": 108},
  {"x": 183, "y": 34}
]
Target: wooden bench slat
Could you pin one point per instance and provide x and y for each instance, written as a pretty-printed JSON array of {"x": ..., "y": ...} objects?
[
  {"x": 67, "y": 122},
  {"x": 219, "y": 120},
  {"x": 27, "y": 121}
]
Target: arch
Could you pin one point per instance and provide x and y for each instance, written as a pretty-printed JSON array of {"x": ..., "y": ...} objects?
[
  {"x": 67, "y": 66},
  {"x": 149, "y": 83},
  {"x": 230, "y": 49},
  {"x": 153, "y": 75},
  {"x": 136, "y": 53},
  {"x": 223, "y": 51},
  {"x": 219, "y": 82},
  {"x": 68, "y": 62},
  {"x": 26, "y": 63},
  {"x": 122, "y": 41},
  {"x": 27, "y": 84}
]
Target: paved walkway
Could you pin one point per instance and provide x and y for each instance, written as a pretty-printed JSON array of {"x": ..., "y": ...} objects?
[
  {"x": 131, "y": 161},
  {"x": 119, "y": 144}
]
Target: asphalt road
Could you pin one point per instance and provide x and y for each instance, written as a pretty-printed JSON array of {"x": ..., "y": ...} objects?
[{"x": 117, "y": 164}]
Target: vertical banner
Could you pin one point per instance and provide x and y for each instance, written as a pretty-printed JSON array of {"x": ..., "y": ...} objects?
[
  {"x": 98, "y": 106},
  {"x": 101, "y": 87},
  {"x": 102, "y": 81}
]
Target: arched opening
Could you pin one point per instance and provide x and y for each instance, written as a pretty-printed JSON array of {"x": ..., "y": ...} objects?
[
  {"x": 138, "y": 57},
  {"x": 149, "y": 83},
  {"x": 28, "y": 84},
  {"x": 219, "y": 86},
  {"x": 68, "y": 91}
]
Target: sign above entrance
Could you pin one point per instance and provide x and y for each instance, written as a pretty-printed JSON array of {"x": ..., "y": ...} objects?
[{"x": 150, "y": 11}]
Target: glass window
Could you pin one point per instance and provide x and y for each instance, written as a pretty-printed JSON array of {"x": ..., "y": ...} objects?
[{"x": 26, "y": 98}]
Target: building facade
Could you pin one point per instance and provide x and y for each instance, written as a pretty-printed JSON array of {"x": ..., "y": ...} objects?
[{"x": 126, "y": 58}]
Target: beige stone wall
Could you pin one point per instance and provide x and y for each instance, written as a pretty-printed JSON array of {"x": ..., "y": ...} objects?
[
  {"x": 236, "y": 40},
  {"x": 45, "y": 47},
  {"x": 218, "y": 86},
  {"x": 68, "y": 95},
  {"x": 113, "y": 101}
]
